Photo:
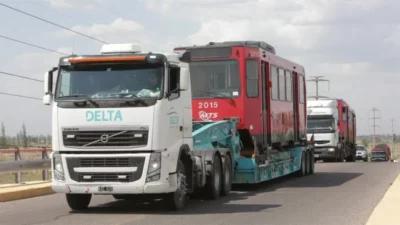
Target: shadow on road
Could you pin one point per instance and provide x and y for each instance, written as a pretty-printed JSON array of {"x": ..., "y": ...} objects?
[
  {"x": 317, "y": 180},
  {"x": 323, "y": 179},
  {"x": 194, "y": 206},
  {"x": 227, "y": 204}
]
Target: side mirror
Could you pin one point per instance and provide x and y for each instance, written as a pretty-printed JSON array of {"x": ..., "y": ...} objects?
[
  {"x": 47, "y": 99},
  {"x": 184, "y": 79},
  {"x": 48, "y": 86},
  {"x": 48, "y": 83}
]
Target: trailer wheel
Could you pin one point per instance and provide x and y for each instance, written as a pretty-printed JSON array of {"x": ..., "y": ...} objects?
[
  {"x": 341, "y": 156},
  {"x": 213, "y": 186},
  {"x": 308, "y": 163},
  {"x": 227, "y": 177},
  {"x": 177, "y": 200},
  {"x": 312, "y": 162},
  {"x": 78, "y": 201},
  {"x": 302, "y": 171}
]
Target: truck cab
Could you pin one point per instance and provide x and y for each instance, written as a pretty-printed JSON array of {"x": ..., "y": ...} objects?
[
  {"x": 110, "y": 116},
  {"x": 322, "y": 122},
  {"x": 381, "y": 153}
]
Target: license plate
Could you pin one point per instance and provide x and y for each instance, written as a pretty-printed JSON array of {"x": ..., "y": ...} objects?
[
  {"x": 106, "y": 189},
  {"x": 316, "y": 156}
]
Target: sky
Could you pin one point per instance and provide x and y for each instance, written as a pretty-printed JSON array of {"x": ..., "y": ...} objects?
[{"x": 353, "y": 43}]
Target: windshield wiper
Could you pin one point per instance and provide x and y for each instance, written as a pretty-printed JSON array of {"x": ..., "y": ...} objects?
[
  {"x": 136, "y": 100},
  {"x": 86, "y": 99},
  {"x": 221, "y": 96}
]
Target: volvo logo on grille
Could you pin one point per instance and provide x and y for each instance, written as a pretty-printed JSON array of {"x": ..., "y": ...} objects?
[{"x": 104, "y": 138}]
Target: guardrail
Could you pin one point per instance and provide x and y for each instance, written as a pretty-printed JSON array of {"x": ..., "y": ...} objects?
[{"x": 19, "y": 165}]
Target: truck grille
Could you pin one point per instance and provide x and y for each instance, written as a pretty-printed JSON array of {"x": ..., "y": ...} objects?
[
  {"x": 106, "y": 138},
  {"x": 105, "y": 162},
  {"x": 322, "y": 142}
]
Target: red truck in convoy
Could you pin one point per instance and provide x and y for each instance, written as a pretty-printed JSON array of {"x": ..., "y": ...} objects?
[
  {"x": 263, "y": 91},
  {"x": 347, "y": 127},
  {"x": 333, "y": 124},
  {"x": 381, "y": 153}
]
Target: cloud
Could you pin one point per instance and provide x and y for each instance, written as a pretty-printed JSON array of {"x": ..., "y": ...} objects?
[
  {"x": 75, "y": 4},
  {"x": 394, "y": 38},
  {"x": 119, "y": 31},
  {"x": 119, "y": 27}
]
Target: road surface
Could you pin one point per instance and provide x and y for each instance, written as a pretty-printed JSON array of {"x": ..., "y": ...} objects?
[{"x": 339, "y": 193}]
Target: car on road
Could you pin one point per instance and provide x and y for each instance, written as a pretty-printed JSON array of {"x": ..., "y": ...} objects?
[{"x": 361, "y": 153}]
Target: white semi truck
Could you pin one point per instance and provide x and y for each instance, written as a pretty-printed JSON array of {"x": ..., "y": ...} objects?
[
  {"x": 333, "y": 123},
  {"x": 323, "y": 122}
]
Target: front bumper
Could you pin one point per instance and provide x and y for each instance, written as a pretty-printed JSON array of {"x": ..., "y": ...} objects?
[
  {"x": 359, "y": 157},
  {"x": 104, "y": 188},
  {"x": 87, "y": 173},
  {"x": 324, "y": 153}
]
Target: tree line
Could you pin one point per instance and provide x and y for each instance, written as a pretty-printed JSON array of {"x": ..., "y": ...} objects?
[{"x": 22, "y": 139}]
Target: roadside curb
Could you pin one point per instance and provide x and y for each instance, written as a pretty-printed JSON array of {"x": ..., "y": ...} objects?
[
  {"x": 25, "y": 191},
  {"x": 386, "y": 212}
]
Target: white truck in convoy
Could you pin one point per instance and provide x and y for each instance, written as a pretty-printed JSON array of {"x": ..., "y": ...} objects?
[
  {"x": 333, "y": 123},
  {"x": 323, "y": 121}
]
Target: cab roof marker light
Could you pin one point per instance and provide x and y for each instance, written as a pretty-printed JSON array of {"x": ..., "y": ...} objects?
[
  {"x": 120, "y": 48},
  {"x": 107, "y": 59}
]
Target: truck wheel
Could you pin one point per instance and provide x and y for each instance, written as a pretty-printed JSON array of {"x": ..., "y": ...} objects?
[
  {"x": 213, "y": 186},
  {"x": 312, "y": 162},
  {"x": 351, "y": 158},
  {"x": 227, "y": 177},
  {"x": 302, "y": 171},
  {"x": 340, "y": 156},
  {"x": 308, "y": 163},
  {"x": 177, "y": 200},
  {"x": 78, "y": 201}
]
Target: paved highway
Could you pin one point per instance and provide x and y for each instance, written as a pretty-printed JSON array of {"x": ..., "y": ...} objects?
[{"x": 337, "y": 194}]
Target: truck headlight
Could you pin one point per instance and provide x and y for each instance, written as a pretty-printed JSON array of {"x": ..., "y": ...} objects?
[
  {"x": 153, "y": 172},
  {"x": 58, "y": 168},
  {"x": 331, "y": 149}
]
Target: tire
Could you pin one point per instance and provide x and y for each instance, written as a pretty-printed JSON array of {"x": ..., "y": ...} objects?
[
  {"x": 308, "y": 163},
  {"x": 312, "y": 163},
  {"x": 351, "y": 158},
  {"x": 78, "y": 201},
  {"x": 302, "y": 171},
  {"x": 177, "y": 200},
  {"x": 213, "y": 186},
  {"x": 341, "y": 156},
  {"x": 227, "y": 177}
]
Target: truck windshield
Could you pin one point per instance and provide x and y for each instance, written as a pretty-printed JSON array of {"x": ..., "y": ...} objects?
[
  {"x": 110, "y": 81},
  {"x": 315, "y": 125},
  {"x": 378, "y": 154},
  {"x": 215, "y": 79}
]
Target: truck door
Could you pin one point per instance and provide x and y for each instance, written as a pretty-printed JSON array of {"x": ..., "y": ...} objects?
[
  {"x": 295, "y": 105},
  {"x": 264, "y": 89}
]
